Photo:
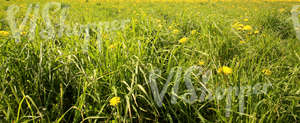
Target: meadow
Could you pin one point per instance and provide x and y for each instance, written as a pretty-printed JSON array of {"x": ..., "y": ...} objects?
[{"x": 116, "y": 73}]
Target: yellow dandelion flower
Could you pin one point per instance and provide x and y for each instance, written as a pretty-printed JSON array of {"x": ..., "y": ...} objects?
[
  {"x": 246, "y": 20},
  {"x": 238, "y": 26},
  {"x": 267, "y": 72},
  {"x": 175, "y": 31},
  {"x": 225, "y": 70},
  {"x": 159, "y": 26},
  {"x": 23, "y": 33},
  {"x": 158, "y": 21},
  {"x": 112, "y": 46},
  {"x": 105, "y": 36},
  {"x": 242, "y": 42},
  {"x": 183, "y": 40},
  {"x": 247, "y": 28},
  {"x": 219, "y": 70},
  {"x": 114, "y": 101},
  {"x": 193, "y": 32},
  {"x": 201, "y": 63},
  {"x": 256, "y": 32},
  {"x": 4, "y": 33}
]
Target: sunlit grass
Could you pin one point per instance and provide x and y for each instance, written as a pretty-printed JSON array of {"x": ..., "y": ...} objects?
[{"x": 242, "y": 43}]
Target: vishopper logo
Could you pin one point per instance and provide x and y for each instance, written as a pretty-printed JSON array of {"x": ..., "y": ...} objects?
[
  {"x": 207, "y": 94},
  {"x": 295, "y": 17},
  {"x": 47, "y": 29}
]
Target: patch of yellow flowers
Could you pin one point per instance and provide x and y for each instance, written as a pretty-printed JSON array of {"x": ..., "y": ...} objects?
[
  {"x": 225, "y": 70},
  {"x": 112, "y": 46},
  {"x": 201, "y": 63},
  {"x": 247, "y": 28},
  {"x": 175, "y": 31},
  {"x": 183, "y": 40},
  {"x": 242, "y": 42},
  {"x": 193, "y": 32},
  {"x": 241, "y": 27},
  {"x": 238, "y": 26},
  {"x": 4, "y": 33},
  {"x": 114, "y": 101},
  {"x": 267, "y": 72}
]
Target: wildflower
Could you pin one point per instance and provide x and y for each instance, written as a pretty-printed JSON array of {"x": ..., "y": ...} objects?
[
  {"x": 114, "y": 101},
  {"x": 256, "y": 32},
  {"x": 242, "y": 42},
  {"x": 159, "y": 26},
  {"x": 267, "y": 72},
  {"x": 238, "y": 26},
  {"x": 105, "y": 35},
  {"x": 183, "y": 40},
  {"x": 158, "y": 21},
  {"x": 201, "y": 63},
  {"x": 4, "y": 33},
  {"x": 226, "y": 70},
  {"x": 246, "y": 20},
  {"x": 247, "y": 28},
  {"x": 23, "y": 33},
  {"x": 219, "y": 70},
  {"x": 193, "y": 32},
  {"x": 175, "y": 31},
  {"x": 112, "y": 46}
]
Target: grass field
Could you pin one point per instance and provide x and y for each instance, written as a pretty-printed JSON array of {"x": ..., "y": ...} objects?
[{"x": 106, "y": 75}]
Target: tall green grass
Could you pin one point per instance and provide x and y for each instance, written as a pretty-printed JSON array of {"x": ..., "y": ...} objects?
[{"x": 55, "y": 81}]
